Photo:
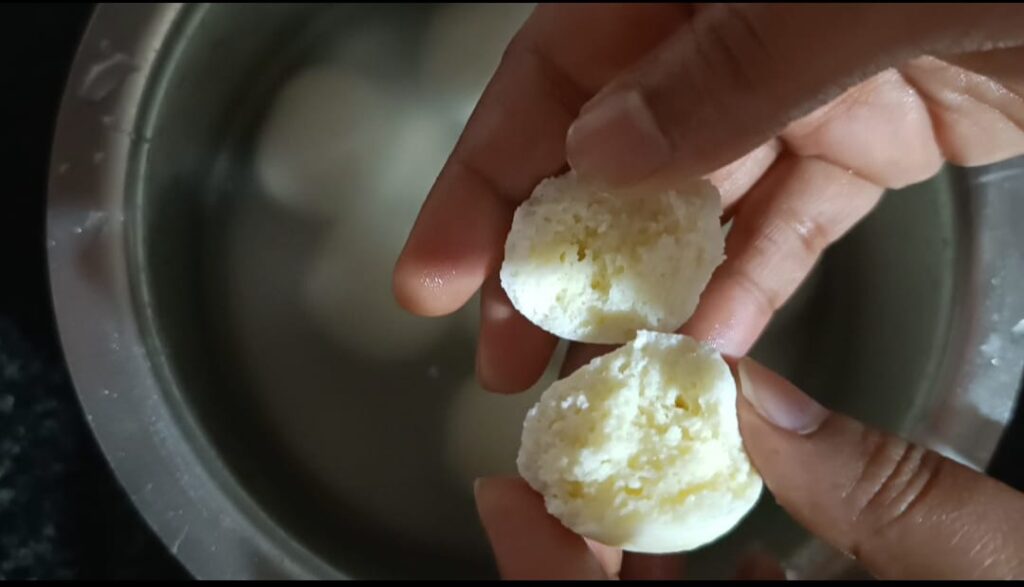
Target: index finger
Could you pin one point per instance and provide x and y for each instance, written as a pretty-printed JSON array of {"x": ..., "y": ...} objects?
[
  {"x": 561, "y": 56},
  {"x": 529, "y": 543}
]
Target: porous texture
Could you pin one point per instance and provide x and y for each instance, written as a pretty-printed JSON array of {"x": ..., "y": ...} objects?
[
  {"x": 640, "y": 449},
  {"x": 592, "y": 265}
]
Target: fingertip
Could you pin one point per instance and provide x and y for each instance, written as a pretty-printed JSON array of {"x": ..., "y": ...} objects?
[
  {"x": 512, "y": 353},
  {"x": 579, "y": 354},
  {"x": 456, "y": 242},
  {"x": 496, "y": 497},
  {"x": 730, "y": 317},
  {"x": 491, "y": 492},
  {"x": 609, "y": 557},
  {"x": 405, "y": 289},
  {"x": 499, "y": 497},
  {"x": 427, "y": 290},
  {"x": 529, "y": 543}
]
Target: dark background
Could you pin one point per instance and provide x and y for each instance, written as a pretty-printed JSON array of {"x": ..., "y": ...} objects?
[{"x": 62, "y": 512}]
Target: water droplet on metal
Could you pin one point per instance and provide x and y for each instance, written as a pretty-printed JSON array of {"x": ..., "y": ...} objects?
[
  {"x": 103, "y": 76},
  {"x": 1018, "y": 330}
]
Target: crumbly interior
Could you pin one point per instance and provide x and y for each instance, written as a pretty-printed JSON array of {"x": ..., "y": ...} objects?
[
  {"x": 596, "y": 266},
  {"x": 640, "y": 449}
]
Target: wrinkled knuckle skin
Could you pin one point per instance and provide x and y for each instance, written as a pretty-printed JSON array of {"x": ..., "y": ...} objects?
[
  {"x": 732, "y": 44},
  {"x": 894, "y": 482}
]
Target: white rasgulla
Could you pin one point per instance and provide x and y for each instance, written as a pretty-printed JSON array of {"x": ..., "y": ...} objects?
[
  {"x": 348, "y": 290},
  {"x": 596, "y": 265},
  {"x": 325, "y": 136},
  {"x": 640, "y": 449}
]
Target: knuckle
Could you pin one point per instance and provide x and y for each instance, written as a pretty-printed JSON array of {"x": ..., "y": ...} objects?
[
  {"x": 724, "y": 72},
  {"x": 920, "y": 479},
  {"x": 812, "y": 236},
  {"x": 883, "y": 458},
  {"x": 559, "y": 82},
  {"x": 767, "y": 300},
  {"x": 781, "y": 250},
  {"x": 730, "y": 43},
  {"x": 895, "y": 480}
]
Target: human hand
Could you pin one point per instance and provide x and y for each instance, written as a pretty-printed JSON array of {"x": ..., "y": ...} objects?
[
  {"x": 801, "y": 115},
  {"x": 901, "y": 511}
]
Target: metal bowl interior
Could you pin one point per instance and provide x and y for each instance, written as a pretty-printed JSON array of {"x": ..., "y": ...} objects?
[{"x": 260, "y": 442}]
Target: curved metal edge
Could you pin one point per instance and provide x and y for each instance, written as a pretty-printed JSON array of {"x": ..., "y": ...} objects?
[
  {"x": 987, "y": 340},
  {"x": 200, "y": 520}
]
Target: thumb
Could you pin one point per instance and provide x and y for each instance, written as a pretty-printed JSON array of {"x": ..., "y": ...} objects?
[
  {"x": 902, "y": 511},
  {"x": 735, "y": 75}
]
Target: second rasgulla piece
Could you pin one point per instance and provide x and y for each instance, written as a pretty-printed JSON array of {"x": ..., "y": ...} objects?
[{"x": 641, "y": 450}]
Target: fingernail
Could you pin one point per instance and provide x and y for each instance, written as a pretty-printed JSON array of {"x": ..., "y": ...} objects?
[
  {"x": 617, "y": 140},
  {"x": 777, "y": 400}
]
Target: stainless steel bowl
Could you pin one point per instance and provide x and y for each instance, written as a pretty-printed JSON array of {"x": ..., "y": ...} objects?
[{"x": 259, "y": 444}]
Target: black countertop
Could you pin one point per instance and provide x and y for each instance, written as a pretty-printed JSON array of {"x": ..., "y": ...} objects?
[{"x": 62, "y": 512}]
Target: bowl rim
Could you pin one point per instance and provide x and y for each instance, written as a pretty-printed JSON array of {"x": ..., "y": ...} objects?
[{"x": 159, "y": 455}]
